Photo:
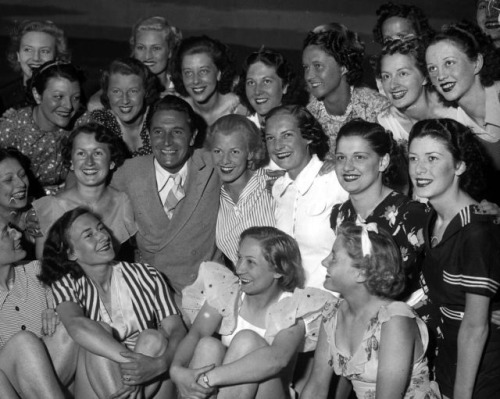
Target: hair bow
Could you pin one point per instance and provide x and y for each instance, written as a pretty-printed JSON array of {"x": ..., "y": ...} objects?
[{"x": 366, "y": 244}]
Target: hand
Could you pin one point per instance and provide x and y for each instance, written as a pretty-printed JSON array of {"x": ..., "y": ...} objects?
[
  {"x": 186, "y": 381},
  {"x": 127, "y": 392},
  {"x": 328, "y": 166},
  {"x": 141, "y": 368},
  {"x": 31, "y": 224},
  {"x": 495, "y": 318},
  {"x": 50, "y": 319},
  {"x": 273, "y": 175},
  {"x": 490, "y": 208}
]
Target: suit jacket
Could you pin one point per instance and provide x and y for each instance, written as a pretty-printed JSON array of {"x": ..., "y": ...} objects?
[{"x": 175, "y": 246}]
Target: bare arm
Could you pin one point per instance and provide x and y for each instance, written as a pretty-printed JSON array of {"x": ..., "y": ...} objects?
[
  {"x": 89, "y": 334},
  {"x": 397, "y": 344},
  {"x": 472, "y": 337},
  {"x": 205, "y": 324},
  {"x": 318, "y": 384},
  {"x": 263, "y": 363}
]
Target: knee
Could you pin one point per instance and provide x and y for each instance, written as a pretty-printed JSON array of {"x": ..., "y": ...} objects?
[
  {"x": 210, "y": 345},
  {"x": 151, "y": 342},
  {"x": 247, "y": 341},
  {"x": 25, "y": 341}
]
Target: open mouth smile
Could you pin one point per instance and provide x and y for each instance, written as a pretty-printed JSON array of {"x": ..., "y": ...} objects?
[
  {"x": 423, "y": 182},
  {"x": 447, "y": 87},
  {"x": 398, "y": 95}
]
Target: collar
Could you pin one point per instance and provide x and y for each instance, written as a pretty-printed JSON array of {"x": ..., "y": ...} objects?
[
  {"x": 162, "y": 175},
  {"x": 304, "y": 180},
  {"x": 20, "y": 288},
  {"x": 492, "y": 116}
]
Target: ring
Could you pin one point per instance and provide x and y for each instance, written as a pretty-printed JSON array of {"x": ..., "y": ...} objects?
[{"x": 126, "y": 378}]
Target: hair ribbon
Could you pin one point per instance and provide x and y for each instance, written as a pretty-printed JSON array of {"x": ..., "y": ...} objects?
[{"x": 366, "y": 244}]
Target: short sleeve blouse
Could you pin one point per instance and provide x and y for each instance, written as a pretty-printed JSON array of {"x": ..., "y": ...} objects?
[{"x": 217, "y": 286}]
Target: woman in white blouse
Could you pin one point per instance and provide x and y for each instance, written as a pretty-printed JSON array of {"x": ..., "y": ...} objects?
[{"x": 304, "y": 197}]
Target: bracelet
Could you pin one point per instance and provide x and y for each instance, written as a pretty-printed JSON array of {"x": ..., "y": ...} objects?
[{"x": 205, "y": 380}]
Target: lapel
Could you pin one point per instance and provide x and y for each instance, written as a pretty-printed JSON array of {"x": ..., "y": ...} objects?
[
  {"x": 148, "y": 190},
  {"x": 199, "y": 174}
]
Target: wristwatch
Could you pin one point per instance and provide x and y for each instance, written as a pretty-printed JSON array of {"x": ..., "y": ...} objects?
[{"x": 205, "y": 380}]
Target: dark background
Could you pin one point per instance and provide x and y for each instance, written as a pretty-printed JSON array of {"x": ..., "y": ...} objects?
[{"x": 98, "y": 30}]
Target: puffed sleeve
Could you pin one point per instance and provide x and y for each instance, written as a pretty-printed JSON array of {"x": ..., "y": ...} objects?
[
  {"x": 306, "y": 304},
  {"x": 65, "y": 290},
  {"x": 8, "y": 131},
  {"x": 218, "y": 286}
]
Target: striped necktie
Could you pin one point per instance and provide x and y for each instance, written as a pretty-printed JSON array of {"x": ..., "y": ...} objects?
[{"x": 174, "y": 196}]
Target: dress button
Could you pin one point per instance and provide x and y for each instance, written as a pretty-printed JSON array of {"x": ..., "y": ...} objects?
[
  {"x": 23, "y": 327},
  {"x": 17, "y": 308}
]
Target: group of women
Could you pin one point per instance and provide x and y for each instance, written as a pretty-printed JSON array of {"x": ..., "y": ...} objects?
[{"x": 353, "y": 222}]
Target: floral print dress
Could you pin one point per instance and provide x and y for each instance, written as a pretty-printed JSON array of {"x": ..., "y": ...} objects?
[
  {"x": 404, "y": 219},
  {"x": 361, "y": 367}
]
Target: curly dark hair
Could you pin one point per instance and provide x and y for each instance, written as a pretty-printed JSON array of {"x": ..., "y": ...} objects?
[
  {"x": 174, "y": 103},
  {"x": 233, "y": 123},
  {"x": 413, "y": 48},
  {"x": 283, "y": 254},
  {"x": 283, "y": 68},
  {"x": 26, "y": 26},
  {"x": 381, "y": 141},
  {"x": 463, "y": 146},
  {"x": 219, "y": 52},
  {"x": 309, "y": 127},
  {"x": 131, "y": 66},
  {"x": 54, "y": 69},
  {"x": 344, "y": 45},
  {"x": 415, "y": 15},
  {"x": 55, "y": 261},
  {"x": 383, "y": 268},
  {"x": 117, "y": 148},
  {"x": 472, "y": 41}
]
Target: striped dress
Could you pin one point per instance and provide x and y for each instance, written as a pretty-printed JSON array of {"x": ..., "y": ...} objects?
[
  {"x": 150, "y": 297},
  {"x": 21, "y": 307}
]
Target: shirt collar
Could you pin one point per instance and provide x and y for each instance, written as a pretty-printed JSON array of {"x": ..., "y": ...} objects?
[
  {"x": 304, "y": 180},
  {"x": 162, "y": 175}
]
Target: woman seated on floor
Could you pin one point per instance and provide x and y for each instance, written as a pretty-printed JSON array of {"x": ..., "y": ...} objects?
[
  {"x": 262, "y": 314},
  {"x": 120, "y": 315}
]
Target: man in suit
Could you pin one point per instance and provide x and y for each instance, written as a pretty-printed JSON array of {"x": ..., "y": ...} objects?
[{"x": 175, "y": 195}]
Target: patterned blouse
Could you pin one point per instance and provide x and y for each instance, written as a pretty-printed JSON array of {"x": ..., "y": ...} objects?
[
  {"x": 365, "y": 103},
  {"x": 404, "y": 219},
  {"x": 43, "y": 148},
  {"x": 107, "y": 119}
]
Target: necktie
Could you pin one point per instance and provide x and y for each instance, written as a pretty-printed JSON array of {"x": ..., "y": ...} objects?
[{"x": 174, "y": 196}]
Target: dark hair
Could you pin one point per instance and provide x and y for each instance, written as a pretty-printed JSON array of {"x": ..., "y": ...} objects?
[
  {"x": 173, "y": 35},
  {"x": 117, "y": 148},
  {"x": 53, "y": 69},
  {"x": 463, "y": 146},
  {"x": 35, "y": 189},
  {"x": 272, "y": 59},
  {"x": 218, "y": 51},
  {"x": 55, "y": 261},
  {"x": 381, "y": 141},
  {"x": 62, "y": 53},
  {"x": 282, "y": 252},
  {"x": 131, "y": 66},
  {"x": 174, "y": 103},
  {"x": 344, "y": 45},
  {"x": 472, "y": 41},
  {"x": 413, "y": 48},
  {"x": 232, "y": 123},
  {"x": 383, "y": 269},
  {"x": 309, "y": 127},
  {"x": 412, "y": 13}
]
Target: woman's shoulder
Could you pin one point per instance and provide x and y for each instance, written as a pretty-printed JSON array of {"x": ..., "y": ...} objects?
[
  {"x": 393, "y": 309},
  {"x": 303, "y": 304},
  {"x": 17, "y": 117}
]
